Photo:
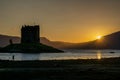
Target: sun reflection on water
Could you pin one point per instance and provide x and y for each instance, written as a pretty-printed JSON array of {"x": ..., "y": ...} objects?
[{"x": 99, "y": 55}]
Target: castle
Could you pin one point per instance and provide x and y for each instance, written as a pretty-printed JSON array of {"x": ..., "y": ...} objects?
[{"x": 30, "y": 34}]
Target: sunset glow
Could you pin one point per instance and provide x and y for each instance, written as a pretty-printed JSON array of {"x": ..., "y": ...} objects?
[
  {"x": 61, "y": 20},
  {"x": 99, "y": 37}
]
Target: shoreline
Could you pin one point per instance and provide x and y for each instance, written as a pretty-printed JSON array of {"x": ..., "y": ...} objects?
[
  {"x": 90, "y": 69},
  {"x": 52, "y": 63}
]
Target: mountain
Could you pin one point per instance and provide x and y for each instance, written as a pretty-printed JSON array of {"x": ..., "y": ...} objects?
[
  {"x": 4, "y": 40},
  {"x": 56, "y": 44},
  {"x": 25, "y": 48},
  {"x": 111, "y": 41}
]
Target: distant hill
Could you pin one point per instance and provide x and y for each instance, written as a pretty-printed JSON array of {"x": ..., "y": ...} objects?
[
  {"x": 56, "y": 44},
  {"x": 17, "y": 47},
  {"x": 111, "y": 41},
  {"x": 4, "y": 40}
]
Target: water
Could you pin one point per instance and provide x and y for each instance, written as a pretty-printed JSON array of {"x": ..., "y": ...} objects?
[{"x": 73, "y": 54}]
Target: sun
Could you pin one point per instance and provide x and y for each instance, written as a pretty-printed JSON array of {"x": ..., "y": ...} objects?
[{"x": 99, "y": 37}]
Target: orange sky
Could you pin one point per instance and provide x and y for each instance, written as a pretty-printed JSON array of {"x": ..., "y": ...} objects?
[{"x": 61, "y": 20}]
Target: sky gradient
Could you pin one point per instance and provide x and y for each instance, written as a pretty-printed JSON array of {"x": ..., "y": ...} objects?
[{"x": 61, "y": 20}]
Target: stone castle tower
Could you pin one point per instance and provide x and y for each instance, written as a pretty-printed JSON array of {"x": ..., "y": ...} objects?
[{"x": 30, "y": 34}]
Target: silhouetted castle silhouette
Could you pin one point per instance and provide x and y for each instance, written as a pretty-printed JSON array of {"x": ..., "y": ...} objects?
[{"x": 30, "y": 34}]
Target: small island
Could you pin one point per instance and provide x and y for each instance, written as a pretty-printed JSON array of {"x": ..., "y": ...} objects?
[{"x": 30, "y": 42}]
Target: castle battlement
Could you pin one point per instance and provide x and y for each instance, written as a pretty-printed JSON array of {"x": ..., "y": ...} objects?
[{"x": 30, "y": 34}]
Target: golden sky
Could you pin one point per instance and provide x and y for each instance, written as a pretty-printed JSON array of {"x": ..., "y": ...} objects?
[{"x": 61, "y": 20}]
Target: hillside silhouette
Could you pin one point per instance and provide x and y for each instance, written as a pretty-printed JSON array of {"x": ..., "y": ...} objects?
[
  {"x": 16, "y": 46},
  {"x": 4, "y": 41},
  {"x": 111, "y": 41}
]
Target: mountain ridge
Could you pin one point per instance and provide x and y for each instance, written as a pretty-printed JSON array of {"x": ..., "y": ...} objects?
[{"x": 110, "y": 41}]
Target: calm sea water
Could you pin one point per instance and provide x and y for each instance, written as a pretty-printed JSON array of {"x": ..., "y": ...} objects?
[{"x": 73, "y": 54}]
